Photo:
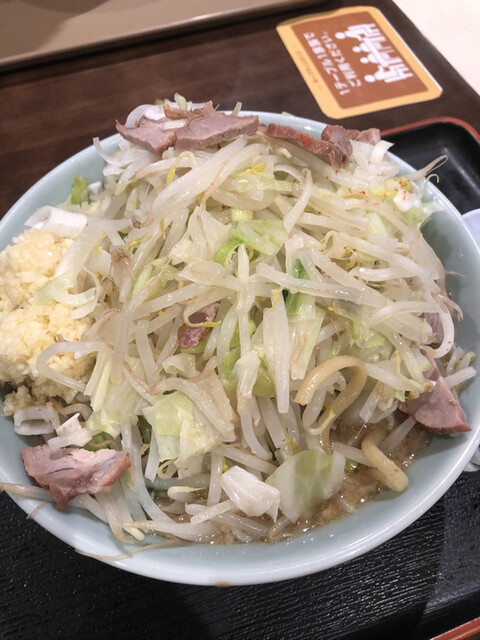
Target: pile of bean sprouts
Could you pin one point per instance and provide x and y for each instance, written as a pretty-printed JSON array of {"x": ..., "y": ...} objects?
[{"x": 323, "y": 280}]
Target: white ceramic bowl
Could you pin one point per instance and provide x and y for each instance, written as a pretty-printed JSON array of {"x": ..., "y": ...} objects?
[{"x": 381, "y": 519}]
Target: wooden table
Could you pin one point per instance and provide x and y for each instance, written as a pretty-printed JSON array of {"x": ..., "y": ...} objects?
[{"x": 420, "y": 583}]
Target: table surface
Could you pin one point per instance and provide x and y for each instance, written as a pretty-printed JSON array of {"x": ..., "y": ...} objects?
[{"x": 417, "y": 585}]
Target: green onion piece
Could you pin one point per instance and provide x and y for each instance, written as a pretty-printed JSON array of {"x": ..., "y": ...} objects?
[
  {"x": 145, "y": 429},
  {"x": 224, "y": 255},
  {"x": 298, "y": 270},
  {"x": 79, "y": 192},
  {"x": 292, "y": 303},
  {"x": 334, "y": 350},
  {"x": 143, "y": 278},
  {"x": 96, "y": 442},
  {"x": 154, "y": 270},
  {"x": 264, "y": 236},
  {"x": 228, "y": 362},
  {"x": 374, "y": 340},
  {"x": 264, "y": 385},
  {"x": 235, "y": 341},
  {"x": 414, "y": 216},
  {"x": 55, "y": 287},
  {"x": 357, "y": 324}
]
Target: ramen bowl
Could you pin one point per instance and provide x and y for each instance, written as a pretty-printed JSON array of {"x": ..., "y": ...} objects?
[{"x": 382, "y": 518}]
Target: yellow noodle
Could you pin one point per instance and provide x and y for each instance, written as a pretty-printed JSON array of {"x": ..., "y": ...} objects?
[
  {"x": 343, "y": 400},
  {"x": 319, "y": 374},
  {"x": 391, "y": 473}
]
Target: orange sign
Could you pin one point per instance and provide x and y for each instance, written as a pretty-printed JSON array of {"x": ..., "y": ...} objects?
[{"x": 354, "y": 62}]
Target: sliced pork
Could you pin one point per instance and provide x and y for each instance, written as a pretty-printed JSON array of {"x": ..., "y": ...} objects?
[
  {"x": 200, "y": 128},
  {"x": 174, "y": 113},
  {"x": 330, "y": 150},
  {"x": 334, "y": 143},
  {"x": 188, "y": 336},
  {"x": 435, "y": 322},
  {"x": 71, "y": 472},
  {"x": 371, "y": 136},
  {"x": 149, "y": 134},
  {"x": 437, "y": 410},
  {"x": 338, "y": 136},
  {"x": 212, "y": 127}
]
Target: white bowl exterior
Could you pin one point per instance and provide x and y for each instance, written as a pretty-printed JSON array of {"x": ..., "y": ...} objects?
[{"x": 378, "y": 521}]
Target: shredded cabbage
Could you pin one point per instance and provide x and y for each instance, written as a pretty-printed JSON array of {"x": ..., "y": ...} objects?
[{"x": 305, "y": 479}]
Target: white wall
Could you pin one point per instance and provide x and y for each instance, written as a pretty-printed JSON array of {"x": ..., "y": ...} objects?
[{"x": 453, "y": 27}]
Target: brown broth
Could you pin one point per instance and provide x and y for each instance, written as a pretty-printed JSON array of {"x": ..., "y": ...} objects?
[{"x": 359, "y": 486}]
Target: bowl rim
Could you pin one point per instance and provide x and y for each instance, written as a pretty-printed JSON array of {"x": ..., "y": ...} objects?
[{"x": 252, "y": 563}]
